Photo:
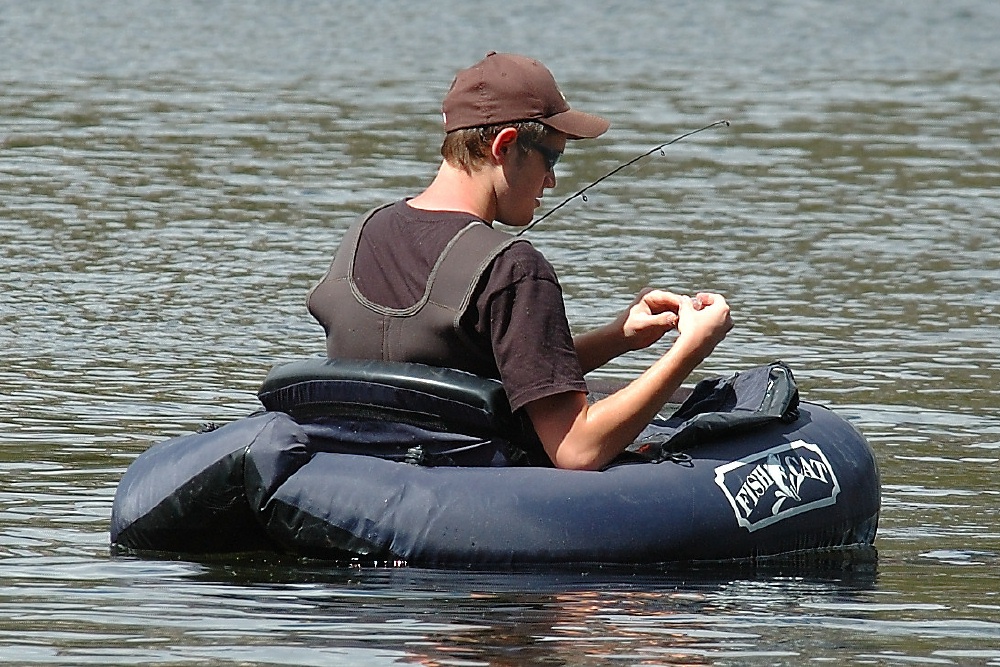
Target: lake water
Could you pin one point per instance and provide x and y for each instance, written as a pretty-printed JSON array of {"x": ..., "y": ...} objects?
[{"x": 174, "y": 177}]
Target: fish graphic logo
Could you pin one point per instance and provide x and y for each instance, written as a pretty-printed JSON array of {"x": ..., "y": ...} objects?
[{"x": 785, "y": 487}]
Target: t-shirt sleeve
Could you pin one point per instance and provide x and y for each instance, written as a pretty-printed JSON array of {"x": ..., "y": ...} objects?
[{"x": 530, "y": 334}]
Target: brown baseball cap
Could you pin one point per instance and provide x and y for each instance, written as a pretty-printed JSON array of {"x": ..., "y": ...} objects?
[{"x": 505, "y": 88}]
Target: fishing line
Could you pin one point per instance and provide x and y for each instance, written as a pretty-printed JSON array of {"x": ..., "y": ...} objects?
[{"x": 582, "y": 192}]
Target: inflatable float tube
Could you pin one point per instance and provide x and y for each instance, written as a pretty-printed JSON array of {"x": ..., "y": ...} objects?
[{"x": 296, "y": 481}]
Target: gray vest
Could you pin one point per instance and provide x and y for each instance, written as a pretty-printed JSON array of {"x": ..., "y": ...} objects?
[{"x": 427, "y": 332}]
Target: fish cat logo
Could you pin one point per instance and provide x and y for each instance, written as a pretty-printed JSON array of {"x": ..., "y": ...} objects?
[{"x": 779, "y": 483}]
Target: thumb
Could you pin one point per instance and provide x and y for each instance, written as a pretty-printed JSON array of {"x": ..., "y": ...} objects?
[{"x": 686, "y": 305}]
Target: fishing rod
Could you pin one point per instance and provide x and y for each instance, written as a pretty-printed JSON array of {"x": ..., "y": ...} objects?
[{"x": 582, "y": 191}]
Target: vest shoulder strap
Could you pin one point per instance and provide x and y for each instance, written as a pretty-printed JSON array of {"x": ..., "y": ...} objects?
[{"x": 454, "y": 278}]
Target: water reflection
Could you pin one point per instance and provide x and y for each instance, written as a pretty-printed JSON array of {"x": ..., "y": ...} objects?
[
  {"x": 180, "y": 610},
  {"x": 545, "y": 618}
]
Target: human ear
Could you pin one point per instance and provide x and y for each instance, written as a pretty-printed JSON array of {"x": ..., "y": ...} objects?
[{"x": 504, "y": 140}]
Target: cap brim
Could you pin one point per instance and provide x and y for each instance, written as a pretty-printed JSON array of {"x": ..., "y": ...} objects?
[{"x": 577, "y": 124}]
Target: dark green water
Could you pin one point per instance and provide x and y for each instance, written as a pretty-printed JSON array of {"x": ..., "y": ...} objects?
[{"x": 174, "y": 176}]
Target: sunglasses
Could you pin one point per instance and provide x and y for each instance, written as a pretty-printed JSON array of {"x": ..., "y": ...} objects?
[{"x": 550, "y": 155}]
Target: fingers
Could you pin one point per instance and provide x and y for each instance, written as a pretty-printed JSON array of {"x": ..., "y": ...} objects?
[
  {"x": 647, "y": 325},
  {"x": 706, "y": 315},
  {"x": 668, "y": 321},
  {"x": 662, "y": 300},
  {"x": 667, "y": 309},
  {"x": 706, "y": 299},
  {"x": 659, "y": 301}
]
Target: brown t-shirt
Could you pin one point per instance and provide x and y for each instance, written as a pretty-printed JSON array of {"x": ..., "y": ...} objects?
[{"x": 517, "y": 316}]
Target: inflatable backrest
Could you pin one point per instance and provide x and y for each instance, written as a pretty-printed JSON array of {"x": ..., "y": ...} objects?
[{"x": 439, "y": 399}]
